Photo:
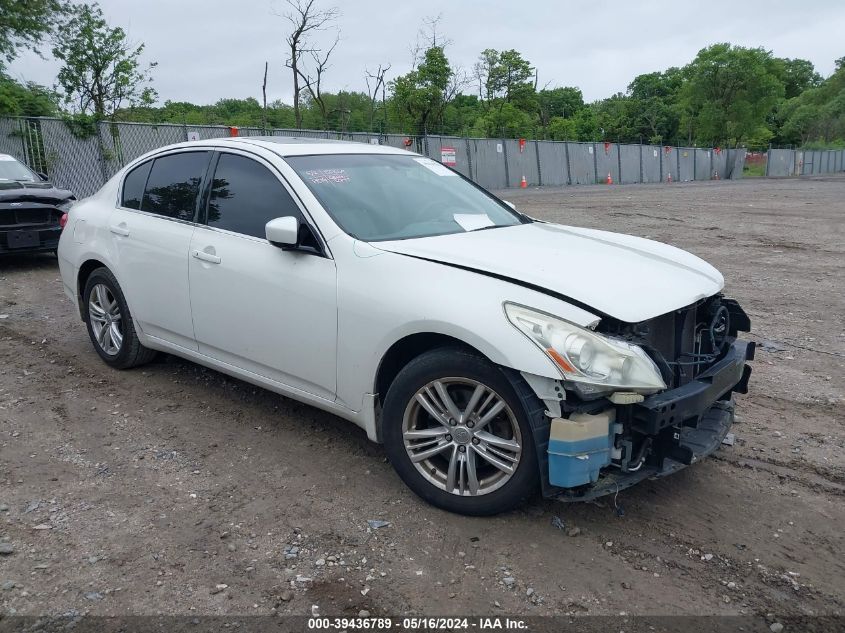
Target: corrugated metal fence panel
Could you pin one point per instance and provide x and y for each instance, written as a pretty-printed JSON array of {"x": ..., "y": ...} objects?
[
  {"x": 73, "y": 162},
  {"x": 703, "y": 158},
  {"x": 720, "y": 164},
  {"x": 686, "y": 164},
  {"x": 488, "y": 159},
  {"x": 11, "y": 138},
  {"x": 651, "y": 162},
  {"x": 522, "y": 163},
  {"x": 436, "y": 144},
  {"x": 780, "y": 163},
  {"x": 736, "y": 161},
  {"x": 555, "y": 171},
  {"x": 629, "y": 159},
  {"x": 394, "y": 140},
  {"x": 582, "y": 166},
  {"x": 607, "y": 161},
  {"x": 669, "y": 162},
  {"x": 815, "y": 163}
]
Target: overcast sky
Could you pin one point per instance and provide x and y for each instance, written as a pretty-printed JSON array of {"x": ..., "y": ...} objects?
[{"x": 209, "y": 49}]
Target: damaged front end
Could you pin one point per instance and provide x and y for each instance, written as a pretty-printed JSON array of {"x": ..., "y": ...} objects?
[{"x": 600, "y": 443}]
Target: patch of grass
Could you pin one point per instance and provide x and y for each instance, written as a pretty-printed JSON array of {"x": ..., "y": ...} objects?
[{"x": 754, "y": 170}]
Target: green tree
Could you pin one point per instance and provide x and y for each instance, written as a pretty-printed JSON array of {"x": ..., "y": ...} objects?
[
  {"x": 28, "y": 99},
  {"x": 816, "y": 115},
  {"x": 797, "y": 76},
  {"x": 25, "y": 24},
  {"x": 100, "y": 70},
  {"x": 729, "y": 95},
  {"x": 558, "y": 103},
  {"x": 654, "y": 106},
  {"x": 422, "y": 94}
]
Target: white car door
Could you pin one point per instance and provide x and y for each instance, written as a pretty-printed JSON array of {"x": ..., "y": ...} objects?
[
  {"x": 151, "y": 231},
  {"x": 269, "y": 311}
]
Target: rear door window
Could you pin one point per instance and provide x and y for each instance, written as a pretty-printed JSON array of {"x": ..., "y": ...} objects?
[
  {"x": 245, "y": 195},
  {"x": 133, "y": 186},
  {"x": 174, "y": 183}
]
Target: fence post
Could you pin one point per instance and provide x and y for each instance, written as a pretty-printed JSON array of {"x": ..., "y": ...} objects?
[
  {"x": 595, "y": 147},
  {"x": 661, "y": 151},
  {"x": 472, "y": 175},
  {"x": 568, "y": 164},
  {"x": 619, "y": 161},
  {"x": 641, "y": 162},
  {"x": 507, "y": 169},
  {"x": 678, "y": 160},
  {"x": 539, "y": 168}
]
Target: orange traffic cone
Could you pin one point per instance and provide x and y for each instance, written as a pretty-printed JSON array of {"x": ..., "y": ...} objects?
[
  {"x": 609, "y": 180},
  {"x": 669, "y": 179},
  {"x": 524, "y": 183}
]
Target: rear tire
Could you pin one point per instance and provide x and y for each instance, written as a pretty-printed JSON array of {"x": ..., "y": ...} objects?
[
  {"x": 109, "y": 322},
  {"x": 457, "y": 456}
]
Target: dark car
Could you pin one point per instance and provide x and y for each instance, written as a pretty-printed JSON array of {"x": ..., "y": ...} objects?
[{"x": 32, "y": 210}]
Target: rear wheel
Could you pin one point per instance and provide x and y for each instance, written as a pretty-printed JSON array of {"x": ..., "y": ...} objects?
[
  {"x": 110, "y": 324},
  {"x": 458, "y": 435}
]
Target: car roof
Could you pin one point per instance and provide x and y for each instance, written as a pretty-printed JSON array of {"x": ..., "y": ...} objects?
[{"x": 296, "y": 146}]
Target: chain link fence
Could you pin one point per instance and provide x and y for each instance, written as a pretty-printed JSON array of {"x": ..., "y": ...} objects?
[{"x": 83, "y": 160}]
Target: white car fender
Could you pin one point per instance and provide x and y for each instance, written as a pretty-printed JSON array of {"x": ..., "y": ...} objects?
[{"x": 377, "y": 308}]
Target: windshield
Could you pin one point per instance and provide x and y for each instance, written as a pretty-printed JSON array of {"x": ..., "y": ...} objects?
[
  {"x": 377, "y": 197},
  {"x": 11, "y": 169}
]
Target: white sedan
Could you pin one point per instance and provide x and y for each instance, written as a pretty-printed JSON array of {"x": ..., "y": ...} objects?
[{"x": 491, "y": 353}]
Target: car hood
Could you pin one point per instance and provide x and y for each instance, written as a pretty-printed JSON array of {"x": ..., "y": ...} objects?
[
  {"x": 44, "y": 192},
  {"x": 629, "y": 278}
]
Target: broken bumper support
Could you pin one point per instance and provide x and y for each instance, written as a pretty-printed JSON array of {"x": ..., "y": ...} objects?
[{"x": 700, "y": 412}]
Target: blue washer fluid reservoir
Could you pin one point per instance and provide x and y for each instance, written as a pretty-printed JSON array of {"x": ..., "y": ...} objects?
[{"x": 579, "y": 447}]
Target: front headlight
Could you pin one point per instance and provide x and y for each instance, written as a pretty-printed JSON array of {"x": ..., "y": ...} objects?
[{"x": 595, "y": 363}]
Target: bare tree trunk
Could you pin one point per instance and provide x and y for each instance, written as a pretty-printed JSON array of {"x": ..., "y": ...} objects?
[
  {"x": 304, "y": 17},
  {"x": 264, "y": 96},
  {"x": 296, "y": 89}
]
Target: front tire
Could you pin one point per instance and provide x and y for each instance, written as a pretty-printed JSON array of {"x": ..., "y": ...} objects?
[
  {"x": 458, "y": 435},
  {"x": 110, "y": 324}
]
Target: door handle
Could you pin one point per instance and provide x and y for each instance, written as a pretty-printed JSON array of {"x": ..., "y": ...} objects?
[
  {"x": 206, "y": 257},
  {"x": 119, "y": 230}
]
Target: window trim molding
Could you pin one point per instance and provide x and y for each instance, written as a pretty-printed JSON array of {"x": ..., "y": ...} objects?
[
  {"x": 202, "y": 215},
  {"x": 151, "y": 159}
]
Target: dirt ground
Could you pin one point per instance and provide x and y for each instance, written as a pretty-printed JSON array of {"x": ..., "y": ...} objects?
[{"x": 172, "y": 489}]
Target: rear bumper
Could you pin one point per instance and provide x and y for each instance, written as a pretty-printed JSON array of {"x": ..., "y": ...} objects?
[
  {"x": 699, "y": 413},
  {"x": 37, "y": 239}
]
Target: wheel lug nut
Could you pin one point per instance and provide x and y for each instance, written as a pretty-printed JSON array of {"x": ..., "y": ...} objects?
[
  {"x": 448, "y": 438},
  {"x": 475, "y": 440},
  {"x": 470, "y": 424},
  {"x": 452, "y": 422},
  {"x": 462, "y": 448}
]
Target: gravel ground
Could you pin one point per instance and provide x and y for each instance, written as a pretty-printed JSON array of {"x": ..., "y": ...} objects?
[{"x": 174, "y": 489}]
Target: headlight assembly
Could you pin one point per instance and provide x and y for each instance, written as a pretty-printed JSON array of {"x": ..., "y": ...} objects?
[{"x": 595, "y": 364}]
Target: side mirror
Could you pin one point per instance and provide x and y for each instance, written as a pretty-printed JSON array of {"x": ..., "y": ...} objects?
[
  {"x": 282, "y": 232},
  {"x": 510, "y": 204},
  {"x": 44, "y": 177}
]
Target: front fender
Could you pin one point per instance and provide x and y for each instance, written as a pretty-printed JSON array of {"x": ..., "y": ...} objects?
[{"x": 386, "y": 297}]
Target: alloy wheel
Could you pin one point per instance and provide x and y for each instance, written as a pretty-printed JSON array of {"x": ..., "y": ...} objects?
[
  {"x": 462, "y": 436},
  {"x": 105, "y": 318}
]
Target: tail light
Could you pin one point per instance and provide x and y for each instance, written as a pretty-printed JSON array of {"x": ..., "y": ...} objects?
[{"x": 63, "y": 220}]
